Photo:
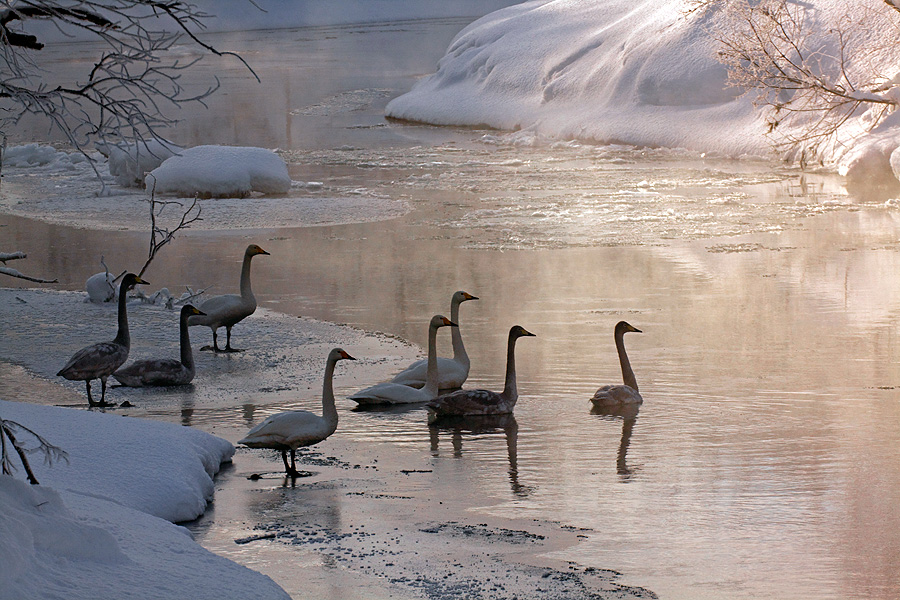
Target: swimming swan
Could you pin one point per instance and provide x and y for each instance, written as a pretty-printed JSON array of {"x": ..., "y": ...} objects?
[
  {"x": 229, "y": 309},
  {"x": 620, "y": 394},
  {"x": 99, "y": 361},
  {"x": 164, "y": 371},
  {"x": 483, "y": 402},
  {"x": 291, "y": 430},
  {"x": 452, "y": 372},
  {"x": 395, "y": 393}
]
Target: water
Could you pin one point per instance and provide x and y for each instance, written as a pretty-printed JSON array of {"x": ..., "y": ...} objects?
[{"x": 764, "y": 460}]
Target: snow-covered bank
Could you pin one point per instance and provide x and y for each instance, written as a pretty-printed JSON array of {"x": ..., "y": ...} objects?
[
  {"x": 96, "y": 526},
  {"x": 642, "y": 73}
]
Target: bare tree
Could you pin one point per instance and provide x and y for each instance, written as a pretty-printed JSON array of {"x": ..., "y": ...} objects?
[
  {"x": 11, "y": 430},
  {"x": 133, "y": 82},
  {"x": 823, "y": 83},
  {"x": 161, "y": 235}
]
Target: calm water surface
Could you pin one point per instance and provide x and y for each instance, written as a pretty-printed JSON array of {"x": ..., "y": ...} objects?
[{"x": 764, "y": 461}]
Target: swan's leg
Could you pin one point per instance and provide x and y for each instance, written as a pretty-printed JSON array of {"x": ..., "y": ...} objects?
[
  {"x": 103, "y": 401},
  {"x": 87, "y": 383},
  {"x": 287, "y": 467},
  {"x": 215, "y": 344},
  {"x": 228, "y": 347}
]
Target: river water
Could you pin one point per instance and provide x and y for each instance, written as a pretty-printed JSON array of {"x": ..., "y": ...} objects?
[{"x": 764, "y": 461}]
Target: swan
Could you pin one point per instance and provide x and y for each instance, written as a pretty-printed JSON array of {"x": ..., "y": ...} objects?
[
  {"x": 229, "y": 309},
  {"x": 483, "y": 402},
  {"x": 99, "y": 361},
  {"x": 396, "y": 393},
  {"x": 291, "y": 430},
  {"x": 164, "y": 371},
  {"x": 452, "y": 372},
  {"x": 620, "y": 394}
]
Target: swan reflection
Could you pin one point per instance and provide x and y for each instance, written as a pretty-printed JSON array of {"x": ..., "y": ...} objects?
[
  {"x": 628, "y": 413},
  {"x": 461, "y": 427}
]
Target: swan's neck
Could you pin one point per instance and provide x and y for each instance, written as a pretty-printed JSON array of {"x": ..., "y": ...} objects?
[
  {"x": 627, "y": 373},
  {"x": 246, "y": 292},
  {"x": 510, "y": 393},
  {"x": 431, "y": 374},
  {"x": 329, "y": 411},
  {"x": 122, "y": 337},
  {"x": 459, "y": 351},
  {"x": 187, "y": 357}
]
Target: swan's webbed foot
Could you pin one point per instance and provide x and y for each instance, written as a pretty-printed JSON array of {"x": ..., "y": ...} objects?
[
  {"x": 294, "y": 473},
  {"x": 230, "y": 349}
]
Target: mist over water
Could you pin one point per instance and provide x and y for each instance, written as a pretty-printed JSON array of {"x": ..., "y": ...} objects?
[{"x": 763, "y": 461}]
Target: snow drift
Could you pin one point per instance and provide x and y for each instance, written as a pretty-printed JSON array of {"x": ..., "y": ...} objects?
[
  {"x": 642, "y": 73},
  {"x": 220, "y": 172}
]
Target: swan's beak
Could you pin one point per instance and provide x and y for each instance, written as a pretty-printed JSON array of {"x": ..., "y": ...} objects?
[
  {"x": 197, "y": 311},
  {"x": 449, "y": 322},
  {"x": 469, "y": 296},
  {"x": 636, "y": 330},
  {"x": 346, "y": 356},
  {"x": 261, "y": 251},
  {"x": 526, "y": 332},
  {"x": 139, "y": 280}
]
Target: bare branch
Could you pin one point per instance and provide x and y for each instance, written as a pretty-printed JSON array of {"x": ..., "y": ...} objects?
[
  {"x": 4, "y": 270},
  {"x": 11, "y": 429}
]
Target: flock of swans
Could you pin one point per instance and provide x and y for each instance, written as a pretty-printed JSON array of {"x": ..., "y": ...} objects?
[{"x": 420, "y": 383}]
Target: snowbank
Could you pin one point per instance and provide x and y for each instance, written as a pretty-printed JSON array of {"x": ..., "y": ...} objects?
[
  {"x": 99, "y": 526},
  {"x": 221, "y": 172},
  {"x": 130, "y": 163},
  {"x": 156, "y": 468},
  {"x": 640, "y": 73}
]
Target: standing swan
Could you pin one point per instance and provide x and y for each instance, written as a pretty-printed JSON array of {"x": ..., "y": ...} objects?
[
  {"x": 229, "y": 309},
  {"x": 610, "y": 395},
  {"x": 395, "y": 393},
  {"x": 483, "y": 402},
  {"x": 452, "y": 372},
  {"x": 164, "y": 371},
  {"x": 291, "y": 430},
  {"x": 99, "y": 361}
]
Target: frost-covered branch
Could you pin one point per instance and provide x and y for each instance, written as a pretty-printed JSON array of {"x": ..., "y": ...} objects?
[
  {"x": 135, "y": 81},
  {"x": 813, "y": 77},
  {"x": 11, "y": 430},
  {"x": 159, "y": 235},
  {"x": 6, "y": 256}
]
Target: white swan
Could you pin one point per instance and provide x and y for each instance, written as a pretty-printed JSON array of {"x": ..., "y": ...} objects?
[
  {"x": 291, "y": 430},
  {"x": 483, "y": 402},
  {"x": 452, "y": 372},
  {"x": 164, "y": 371},
  {"x": 610, "y": 395},
  {"x": 99, "y": 361},
  {"x": 395, "y": 393},
  {"x": 225, "y": 311}
]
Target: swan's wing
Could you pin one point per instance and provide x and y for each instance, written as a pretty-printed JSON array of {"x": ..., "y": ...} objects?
[
  {"x": 451, "y": 374},
  {"x": 95, "y": 361},
  {"x": 390, "y": 393},
  {"x": 295, "y": 428},
  {"x": 161, "y": 371},
  {"x": 227, "y": 309},
  {"x": 616, "y": 394},
  {"x": 470, "y": 402}
]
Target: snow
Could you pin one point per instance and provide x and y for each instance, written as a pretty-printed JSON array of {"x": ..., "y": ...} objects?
[
  {"x": 641, "y": 73},
  {"x": 129, "y": 163},
  {"x": 99, "y": 525},
  {"x": 101, "y": 287},
  {"x": 220, "y": 172}
]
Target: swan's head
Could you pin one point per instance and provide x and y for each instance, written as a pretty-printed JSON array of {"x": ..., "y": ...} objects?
[
  {"x": 130, "y": 280},
  {"x": 517, "y": 331},
  {"x": 189, "y": 310},
  {"x": 622, "y": 328},
  {"x": 461, "y": 296},
  {"x": 253, "y": 250},
  {"x": 442, "y": 321},
  {"x": 338, "y": 354}
]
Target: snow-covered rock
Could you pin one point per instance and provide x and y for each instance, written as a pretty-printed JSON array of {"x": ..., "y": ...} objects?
[
  {"x": 101, "y": 287},
  {"x": 130, "y": 163},
  {"x": 221, "y": 172}
]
